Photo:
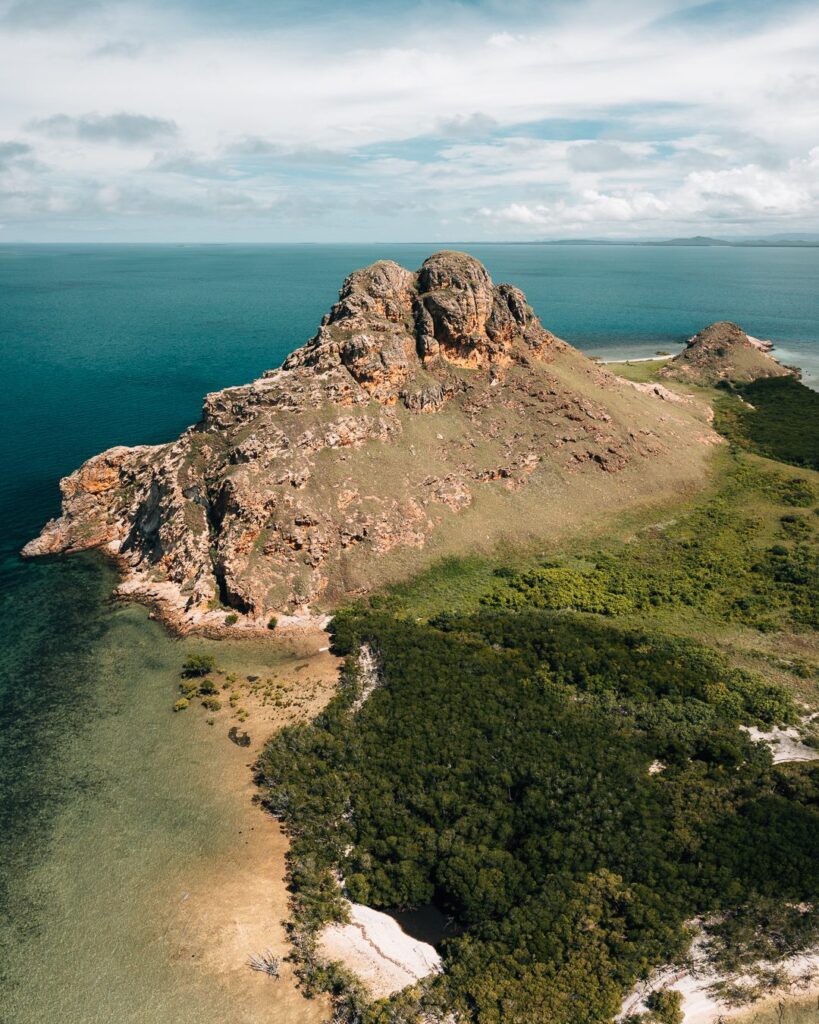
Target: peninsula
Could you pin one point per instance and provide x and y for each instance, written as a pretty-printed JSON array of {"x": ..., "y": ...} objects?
[{"x": 432, "y": 414}]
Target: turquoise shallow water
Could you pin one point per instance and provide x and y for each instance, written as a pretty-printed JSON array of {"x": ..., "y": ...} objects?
[{"x": 117, "y": 345}]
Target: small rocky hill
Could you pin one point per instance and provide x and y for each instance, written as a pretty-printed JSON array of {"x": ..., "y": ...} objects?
[
  {"x": 430, "y": 415},
  {"x": 723, "y": 351}
]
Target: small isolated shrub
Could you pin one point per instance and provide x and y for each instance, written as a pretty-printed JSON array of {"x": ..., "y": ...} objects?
[
  {"x": 796, "y": 492},
  {"x": 198, "y": 665},
  {"x": 211, "y": 703},
  {"x": 231, "y": 619},
  {"x": 181, "y": 704},
  {"x": 189, "y": 688},
  {"x": 272, "y": 622},
  {"x": 666, "y": 1006},
  {"x": 206, "y": 688},
  {"x": 210, "y": 721},
  {"x": 795, "y": 527}
]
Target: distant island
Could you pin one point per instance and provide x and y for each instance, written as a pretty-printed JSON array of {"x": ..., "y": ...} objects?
[
  {"x": 807, "y": 241},
  {"x": 776, "y": 241}
]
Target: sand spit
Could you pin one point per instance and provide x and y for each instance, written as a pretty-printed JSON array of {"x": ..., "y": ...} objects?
[
  {"x": 636, "y": 359},
  {"x": 375, "y": 947}
]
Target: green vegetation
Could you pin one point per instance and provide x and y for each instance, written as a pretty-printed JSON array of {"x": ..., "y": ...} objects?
[
  {"x": 738, "y": 557},
  {"x": 796, "y": 527},
  {"x": 665, "y": 1007},
  {"x": 272, "y": 622},
  {"x": 211, "y": 703},
  {"x": 502, "y": 770},
  {"x": 231, "y": 619},
  {"x": 181, "y": 704},
  {"x": 763, "y": 929},
  {"x": 716, "y": 560},
  {"x": 774, "y": 416},
  {"x": 641, "y": 372},
  {"x": 449, "y": 583},
  {"x": 198, "y": 665}
]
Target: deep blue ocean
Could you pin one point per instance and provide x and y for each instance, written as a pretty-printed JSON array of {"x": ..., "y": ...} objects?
[{"x": 104, "y": 345}]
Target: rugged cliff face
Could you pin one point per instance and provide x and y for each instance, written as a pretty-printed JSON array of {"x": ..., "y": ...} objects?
[
  {"x": 430, "y": 414},
  {"x": 723, "y": 351}
]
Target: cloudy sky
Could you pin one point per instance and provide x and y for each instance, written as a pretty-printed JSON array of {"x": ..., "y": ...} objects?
[{"x": 277, "y": 120}]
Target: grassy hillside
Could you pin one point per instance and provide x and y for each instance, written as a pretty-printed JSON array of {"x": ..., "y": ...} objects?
[{"x": 737, "y": 568}]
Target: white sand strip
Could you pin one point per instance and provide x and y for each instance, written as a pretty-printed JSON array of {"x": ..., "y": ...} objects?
[
  {"x": 635, "y": 359},
  {"x": 369, "y": 675},
  {"x": 700, "y": 1005},
  {"x": 785, "y": 744},
  {"x": 375, "y": 947}
]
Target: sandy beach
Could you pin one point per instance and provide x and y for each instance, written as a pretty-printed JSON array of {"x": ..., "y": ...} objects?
[{"x": 235, "y": 906}]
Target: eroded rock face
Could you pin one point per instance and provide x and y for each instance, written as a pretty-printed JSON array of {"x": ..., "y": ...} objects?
[
  {"x": 723, "y": 351},
  {"x": 463, "y": 317},
  {"x": 388, "y": 323},
  {"x": 430, "y": 407}
]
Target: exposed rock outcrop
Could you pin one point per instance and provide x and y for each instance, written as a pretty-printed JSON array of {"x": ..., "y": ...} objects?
[
  {"x": 430, "y": 413},
  {"x": 723, "y": 351}
]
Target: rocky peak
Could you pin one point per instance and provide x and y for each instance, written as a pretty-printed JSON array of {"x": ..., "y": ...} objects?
[
  {"x": 389, "y": 322},
  {"x": 723, "y": 351},
  {"x": 429, "y": 413},
  {"x": 464, "y": 318},
  {"x": 721, "y": 332},
  {"x": 383, "y": 290}
]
